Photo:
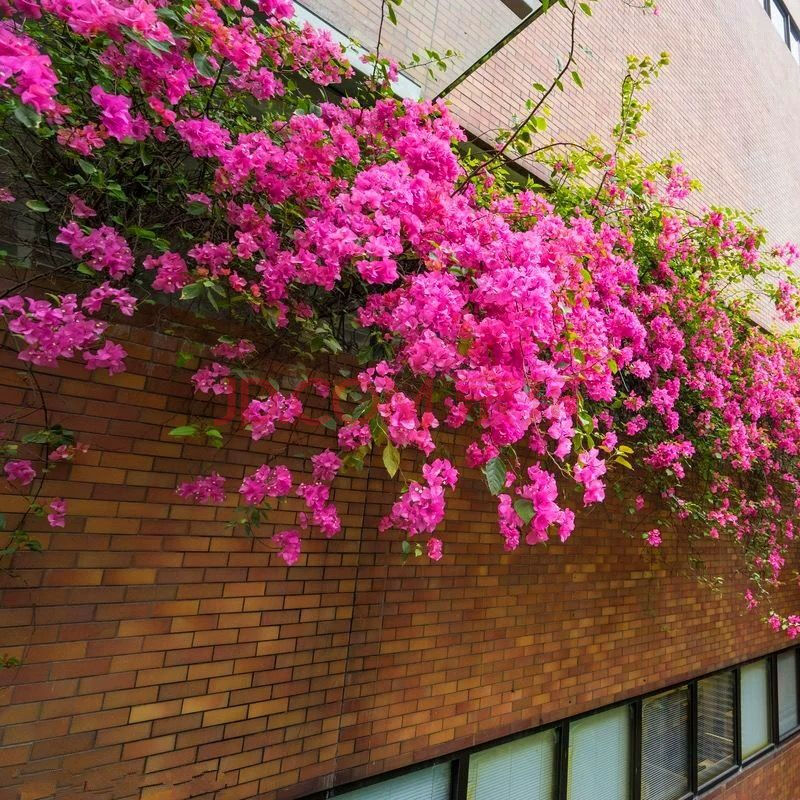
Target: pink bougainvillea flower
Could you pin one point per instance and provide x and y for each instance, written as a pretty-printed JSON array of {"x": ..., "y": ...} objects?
[
  {"x": 79, "y": 208},
  {"x": 110, "y": 356},
  {"x": 57, "y": 514},
  {"x": 265, "y": 482},
  {"x": 326, "y": 465},
  {"x": 20, "y": 471},
  {"x": 206, "y": 489},
  {"x": 289, "y": 544},
  {"x": 653, "y": 537},
  {"x": 434, "y": 548}
]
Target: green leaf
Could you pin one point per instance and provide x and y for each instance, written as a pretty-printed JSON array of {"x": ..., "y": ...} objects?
[
  {"x": 392, "y": 15},
  {"x": 624, "y": 462},
  {"x": 391, "y": 459},
  {"x": 215, "y": 437},
  {"x": 577, "y": 78},
  {"x": 203, "y": 66},
  {"x": 586, "y": 8},
  {"x": 88, "y": 168},
  {"x": 27, "y": 116},
  {"x": 38, "y": 206},
  {"x": 495, "y": 473},
  {"x": 524, "y": 509},
  {"x": 191, "y": 291},
  {"x": 361, "y": 408},
  {"x": 184, "y": 430}
]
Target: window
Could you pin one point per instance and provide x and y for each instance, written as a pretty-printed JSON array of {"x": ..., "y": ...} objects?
[
  {"x": 780, "y": 18},
  {"x": 665, "y": 745},
  {"x": 787, "y": 692},
  {"x": 754, "y": 699},
  {"x": 715, "y": 744},
  {"x": 600, "y": 756},
  {"x": 794, "y": 42},
  {"x": 423, "y": 784},
  {"x": 520, "y": 770}
]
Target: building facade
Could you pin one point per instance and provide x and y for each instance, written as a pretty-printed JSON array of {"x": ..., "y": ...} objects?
[{"x": 166, "y": 656}]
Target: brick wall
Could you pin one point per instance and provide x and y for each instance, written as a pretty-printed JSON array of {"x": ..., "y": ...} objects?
[
  {"x": 777, "y": 777},
  {"x": 167, "y": 656}
]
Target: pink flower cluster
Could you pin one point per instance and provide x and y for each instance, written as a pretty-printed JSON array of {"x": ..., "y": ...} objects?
[
  {"x": 102, "y": 248},
  {"x": 207, "y": 489},
  {"x": 213, "y": 379},
  {"x": 50, "y": 330},
  {"x": 266, "y": 482},
  {"x": 263, "y": 415},
  {"x": 422, "y": 507}
]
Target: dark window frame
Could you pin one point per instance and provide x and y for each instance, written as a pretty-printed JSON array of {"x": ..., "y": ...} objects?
[
  {"x": 698, "y": 787},
  {"x": 459, "y": 761},
  {"x": 691, "y": 752},
  {"x": 776, "y": 703},
  {"x": 787, "y": 18},
  {"x": 772, "y": 707}
]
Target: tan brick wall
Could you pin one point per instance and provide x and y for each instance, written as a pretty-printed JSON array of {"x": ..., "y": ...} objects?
[
  {"x": 166, "y": 656},
  {"x": 777, "y": 777}
]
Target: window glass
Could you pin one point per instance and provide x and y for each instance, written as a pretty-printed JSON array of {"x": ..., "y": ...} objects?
[
  {"x": 794, "y": 42},
  {"x": 520, "y": 770},
  {"x": 754, "y": 699},
  {"x": 423, "y": 784},
  {"x": 779, "y": 17},
  {"x": 599, "y": 761},
  {"x": 787, "y": 692},
  {"x": 715, "y": 745},
  {"x": 665, "y": 745}
]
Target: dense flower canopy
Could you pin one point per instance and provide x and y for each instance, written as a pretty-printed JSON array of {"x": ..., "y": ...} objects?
[{"x": 582, "y": 339}]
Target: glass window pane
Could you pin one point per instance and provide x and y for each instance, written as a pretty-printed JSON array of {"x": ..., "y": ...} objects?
[
  {"x": 779, "y": 18},
  {"x": 794, "y": 43},
  {"x": 715, "y": 750},
  {"x": 599, "y": 756},
  {"x": 787, "y": 692},
  {"x": 665, "y": 745},
  {"x": 423, "y": 784},
  {"x": 520, "y": 770},
  {"x": 754, "y": 694}
]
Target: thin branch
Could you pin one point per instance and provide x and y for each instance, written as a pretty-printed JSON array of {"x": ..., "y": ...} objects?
[{"x": 500, "y": 152}]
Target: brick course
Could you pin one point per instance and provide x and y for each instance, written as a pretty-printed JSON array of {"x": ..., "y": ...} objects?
[{"x": 167, "y": 656}]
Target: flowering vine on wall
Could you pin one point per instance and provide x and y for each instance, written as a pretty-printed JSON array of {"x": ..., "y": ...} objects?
[{"x": 183, "y": 154}]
